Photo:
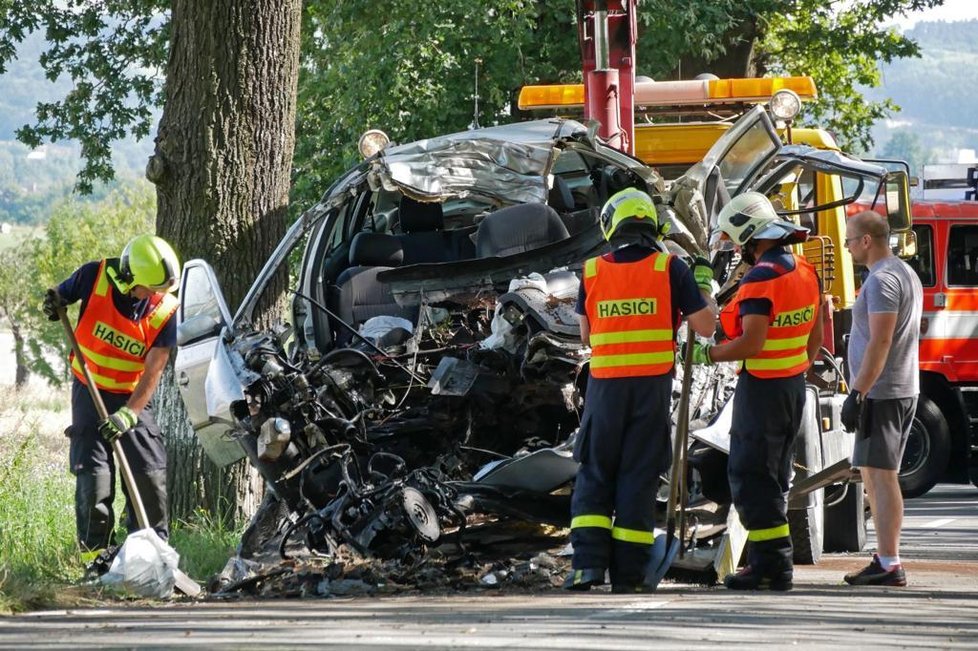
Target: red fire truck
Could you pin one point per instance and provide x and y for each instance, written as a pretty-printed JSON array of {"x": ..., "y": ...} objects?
[{"x": 944, "y": 440}]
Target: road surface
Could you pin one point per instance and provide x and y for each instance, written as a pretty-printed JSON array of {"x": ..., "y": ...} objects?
[{"x": 937, "y": 610}]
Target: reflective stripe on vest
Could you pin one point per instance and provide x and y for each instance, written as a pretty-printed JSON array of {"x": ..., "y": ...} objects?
[
  {"x": 629, "y": 311},
  {"x": 794, "y": 300},
  {"x": 114, "y": 346}
]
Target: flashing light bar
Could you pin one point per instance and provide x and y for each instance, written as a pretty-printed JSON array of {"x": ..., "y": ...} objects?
[{"x": 675, "y": 93}]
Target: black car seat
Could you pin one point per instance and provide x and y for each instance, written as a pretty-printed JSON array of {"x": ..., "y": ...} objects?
[
  {"x": 519, "y": 228},
  {"x": 561, "y": 199},
  {"x": 359, "y": 295}
]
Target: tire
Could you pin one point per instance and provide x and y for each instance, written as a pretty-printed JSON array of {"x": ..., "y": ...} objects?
[
  {"x": 845, "y": 522},
  {"x": 806, "y": 520},
  {"x": 928, "y": 450}
]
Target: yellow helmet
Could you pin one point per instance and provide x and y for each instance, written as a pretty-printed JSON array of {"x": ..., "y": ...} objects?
[
  {"x": 629, "y": 204},
  {"x": 149, "y": 261}
]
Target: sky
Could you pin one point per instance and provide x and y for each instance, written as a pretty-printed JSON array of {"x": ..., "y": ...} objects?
[{"x": 951, "y": 10}]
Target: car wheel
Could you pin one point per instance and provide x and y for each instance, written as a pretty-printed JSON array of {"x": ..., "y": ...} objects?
[{"x": 928, "y": 450}]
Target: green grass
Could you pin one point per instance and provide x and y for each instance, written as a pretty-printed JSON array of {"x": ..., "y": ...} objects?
[
  {"x": 205, "y": 543},
  {"x": 38, "y": 554},
  {"x": 40, "y": 565}
]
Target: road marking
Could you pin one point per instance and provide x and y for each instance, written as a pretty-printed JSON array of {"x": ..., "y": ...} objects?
[{"x": 934, "y": 524}]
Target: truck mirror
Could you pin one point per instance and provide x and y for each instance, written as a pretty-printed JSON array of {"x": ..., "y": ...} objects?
[
  {"x": 898, "y": 201},
  {"x": 904, "y": 244}
]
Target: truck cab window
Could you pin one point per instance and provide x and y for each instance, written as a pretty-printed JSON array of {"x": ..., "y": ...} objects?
[{"x": 962, "y": 256}]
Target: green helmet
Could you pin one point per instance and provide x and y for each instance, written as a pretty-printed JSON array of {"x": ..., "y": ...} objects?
[
  {"x": 629, "y": 204},
  {"x": 149, "y": 261},
  {"x": 750, "y": 216}
]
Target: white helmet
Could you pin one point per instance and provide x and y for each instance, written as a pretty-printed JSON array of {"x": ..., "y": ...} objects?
[{"x": 750, "y": 216}]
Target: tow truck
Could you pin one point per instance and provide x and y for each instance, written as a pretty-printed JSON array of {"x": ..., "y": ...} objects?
[{"x": 674, "y": 124}]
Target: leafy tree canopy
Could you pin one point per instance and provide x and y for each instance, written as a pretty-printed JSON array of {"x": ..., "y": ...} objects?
[{"x": 408, "y": 67}]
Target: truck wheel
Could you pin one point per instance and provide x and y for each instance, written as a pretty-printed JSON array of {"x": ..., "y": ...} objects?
[
  {"x": 845, "y": 522},
  {"x": 928, "y": 450}
]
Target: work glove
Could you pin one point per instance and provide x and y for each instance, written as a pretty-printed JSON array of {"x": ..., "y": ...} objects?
[
  {"x": 118, "y": 424},
  {"x": 851, "y": 410},
  {"x": 52, "y": 302},
  {"x": 703, "y": 273},
  {"x": 701, "y": 353}
]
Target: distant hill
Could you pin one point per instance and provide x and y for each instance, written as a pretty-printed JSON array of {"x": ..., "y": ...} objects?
[
  {"x": 31, "y": 181},
  {"x": 937, "y": 94}
]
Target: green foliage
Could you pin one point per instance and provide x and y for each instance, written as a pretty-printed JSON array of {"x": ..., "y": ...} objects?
[
  {"x": 37, "y": 523},
  {"x": 111, "y": 51},
  {"x": 205, "y": 543},
  {"x": 409, "y": 67},
  {"x": 77, "y": 232},
  {"x": 841, "y": 46}
]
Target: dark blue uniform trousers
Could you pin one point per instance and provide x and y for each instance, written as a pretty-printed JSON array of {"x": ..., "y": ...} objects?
[
  {"x": 623, "y": 446},
  {"x": 93, "y": 465},
  {"x": 766, "y": 417}
]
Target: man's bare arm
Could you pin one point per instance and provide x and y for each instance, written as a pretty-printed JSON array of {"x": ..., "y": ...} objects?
[
  {"x": 156, "y": 360},
  {"x": 881, "y": 328}
]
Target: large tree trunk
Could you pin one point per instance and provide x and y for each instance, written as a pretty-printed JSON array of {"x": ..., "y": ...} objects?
[
  {"x": 222, "y": 170},
  {"x": 739, "y": 60}
]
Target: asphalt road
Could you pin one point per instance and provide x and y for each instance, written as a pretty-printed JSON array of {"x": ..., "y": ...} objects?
[{"x": 937, "y": 610}]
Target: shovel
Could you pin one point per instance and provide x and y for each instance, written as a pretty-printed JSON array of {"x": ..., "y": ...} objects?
[
  {"x": 184, "y": 583},
  {"x": 665, "y": 548}
]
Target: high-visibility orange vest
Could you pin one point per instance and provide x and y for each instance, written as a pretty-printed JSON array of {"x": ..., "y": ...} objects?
[
  {"x": 794, "y": 300},
  {"x": 629, "y": 310},
  {"x": 114, "y": 346}
]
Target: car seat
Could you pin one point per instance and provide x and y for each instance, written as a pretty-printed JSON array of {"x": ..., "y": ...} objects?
[{"x": 519, "y": 228}]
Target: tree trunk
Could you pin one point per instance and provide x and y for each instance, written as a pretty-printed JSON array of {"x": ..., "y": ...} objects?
[
  {"x": 739, "y": 60},
  {"x": 222, "y": 171},
  {"x": 20, "y": 355}
]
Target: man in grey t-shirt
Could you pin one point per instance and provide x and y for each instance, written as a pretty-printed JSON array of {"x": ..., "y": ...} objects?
[{"x": 883, "y": 385}]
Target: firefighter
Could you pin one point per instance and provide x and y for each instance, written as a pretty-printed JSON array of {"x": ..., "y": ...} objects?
[
  {"x": 774, "y": 329},
  {"x": 126, "y": 331},
  {"x": 630, "y": 305}
]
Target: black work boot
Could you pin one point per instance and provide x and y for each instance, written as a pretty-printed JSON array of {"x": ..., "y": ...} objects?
[
  {"x": 584, "y": 579},
  {"x": 749, "y": 578},
  {"x": 769, "y": 567}
]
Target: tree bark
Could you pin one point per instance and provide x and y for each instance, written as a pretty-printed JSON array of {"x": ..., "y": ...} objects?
[
  {"x": 222, "y": 169},
  {"x": 20, "y": 356},
  {"x": 739, "y": 60}
]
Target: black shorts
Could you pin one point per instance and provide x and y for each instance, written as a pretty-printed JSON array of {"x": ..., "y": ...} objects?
[{"x": 881, "y": 437}]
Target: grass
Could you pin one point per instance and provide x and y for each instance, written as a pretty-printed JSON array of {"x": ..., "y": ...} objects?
[{"x": 40, "y": 565}]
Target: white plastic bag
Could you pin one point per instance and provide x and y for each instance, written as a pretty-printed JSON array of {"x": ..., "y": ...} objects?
[{"x": 144, "y": 566}]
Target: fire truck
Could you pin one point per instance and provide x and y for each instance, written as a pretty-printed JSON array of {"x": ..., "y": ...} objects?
[{"x": 944, "y": 440}]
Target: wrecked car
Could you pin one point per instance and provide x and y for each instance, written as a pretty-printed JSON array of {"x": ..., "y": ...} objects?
[{"x": 430, "y": 367}]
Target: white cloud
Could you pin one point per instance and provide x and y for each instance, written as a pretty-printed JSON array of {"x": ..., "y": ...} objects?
[{"x": 951, "y": 10}]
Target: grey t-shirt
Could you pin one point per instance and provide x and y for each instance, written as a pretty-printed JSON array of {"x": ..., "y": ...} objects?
[{"x": 892, "y": 286}]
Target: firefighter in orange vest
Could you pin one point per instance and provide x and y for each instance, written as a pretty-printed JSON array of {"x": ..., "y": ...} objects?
[
  {"x": 125, "y": 331},
  {"x": 774, "y": 329},
  {"x": 631, "y": 303}
]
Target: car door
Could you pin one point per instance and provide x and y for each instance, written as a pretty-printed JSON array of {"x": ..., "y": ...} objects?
[
  {"x": 206, "y": 382},
  {"x": 729, "y": 167}
]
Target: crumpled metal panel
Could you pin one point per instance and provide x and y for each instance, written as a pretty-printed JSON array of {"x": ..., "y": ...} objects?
[{"x": 439, "y": 168}]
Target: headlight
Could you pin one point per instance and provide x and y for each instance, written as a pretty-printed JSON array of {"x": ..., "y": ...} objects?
[
  {"x": 371, "y": 142},
  {"x": 785, "y": 104}
]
